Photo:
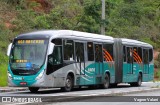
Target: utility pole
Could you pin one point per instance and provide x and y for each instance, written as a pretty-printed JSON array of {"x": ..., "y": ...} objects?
[{"x": 103, "y": 18}]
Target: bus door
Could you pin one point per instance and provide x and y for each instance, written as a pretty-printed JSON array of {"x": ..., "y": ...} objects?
[
  {"x": 98, "y": 63},
  {"x": 145, "y": 64},
  {"x": 80, "y": 62},
  {"x": 129, "y": 64}
]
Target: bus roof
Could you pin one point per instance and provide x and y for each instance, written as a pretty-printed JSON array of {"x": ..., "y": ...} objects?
[
  {"x": 135, "y": 43},
  {"x": 77, "y": 35},
  {"x": 70, "y": 34}
]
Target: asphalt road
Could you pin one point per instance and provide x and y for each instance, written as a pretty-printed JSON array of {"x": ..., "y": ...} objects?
[
  {"x": 55, "y": 96},
  {"x": 145, "y": 97}
]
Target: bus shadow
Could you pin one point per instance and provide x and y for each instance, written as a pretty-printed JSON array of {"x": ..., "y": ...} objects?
[{"x": 85, "y": 88}]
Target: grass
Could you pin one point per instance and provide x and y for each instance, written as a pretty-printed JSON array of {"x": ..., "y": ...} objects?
[{"x": 3, "y": 75}]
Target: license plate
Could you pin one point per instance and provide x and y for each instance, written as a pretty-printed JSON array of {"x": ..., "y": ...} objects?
[{"x": 23, "y": 83}]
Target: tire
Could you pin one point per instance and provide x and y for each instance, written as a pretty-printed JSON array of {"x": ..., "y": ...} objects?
[
  {"x": 68, "y": 84},
  {"x": 33, "y": 89},
  {"x": 106, "y": 83},
  {"x": 139, "y": 81}
]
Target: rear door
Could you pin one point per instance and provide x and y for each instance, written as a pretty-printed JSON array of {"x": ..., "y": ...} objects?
[
  {"x": 145, "y": 64},
  {"x": 129, "y": 64}
]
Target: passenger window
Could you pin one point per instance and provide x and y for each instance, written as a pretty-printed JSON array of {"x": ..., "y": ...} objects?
[
  {"x": 90, "y": 51},
  {"x": 145, "y": 56},
  {"x": 124, "y": 53},
  {"x": 129, "y": 55},
  {"x": 140, "y": 54},
  {"x": 108, "y": 52},
  {"x": 98, "y": 53},
  {"x": 79, "y": 51},
  {"x": 150, "y": 55},
  {"x": 68, "y": 50},
  {"x": 135, "y": 55}
]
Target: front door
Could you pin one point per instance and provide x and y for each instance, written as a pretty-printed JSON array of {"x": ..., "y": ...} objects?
[
  {"x": 98, "y": 63},
  {"x": 80, "y": 62}
]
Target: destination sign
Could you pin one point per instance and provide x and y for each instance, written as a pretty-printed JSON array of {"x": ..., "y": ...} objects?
[{"x": 30, "y": 41}]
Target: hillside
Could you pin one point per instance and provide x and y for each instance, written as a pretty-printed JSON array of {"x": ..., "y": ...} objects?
[{"x": 136, "y": 19}]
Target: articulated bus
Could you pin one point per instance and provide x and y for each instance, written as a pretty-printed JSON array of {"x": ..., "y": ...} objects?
[{"x": 66, "y": 59}]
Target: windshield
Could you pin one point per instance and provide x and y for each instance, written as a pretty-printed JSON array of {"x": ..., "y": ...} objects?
[{"x": 28, "y": 54}]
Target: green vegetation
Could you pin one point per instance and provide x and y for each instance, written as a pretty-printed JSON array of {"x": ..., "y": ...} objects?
[{"x": 136, "y": 19}]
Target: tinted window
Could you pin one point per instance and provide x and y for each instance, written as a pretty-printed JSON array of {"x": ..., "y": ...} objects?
[
  {"x": 90, "y": 51},
  {"x": 140, "y": 54},
  {"x": 145, "y": 56},
  {"x": 124, "y": 53},
  {"x": 79, "y": 50},
  {"x": 108, "y": 52},
  {"x": 135, "y": 55},
  {"x": 98, "y": 53},
  {"x": 57, "y": 41},
  {"x": 150, "y": 55},
  {"x": 129, "y": 55},
  {"x": 68, "y": 49}
]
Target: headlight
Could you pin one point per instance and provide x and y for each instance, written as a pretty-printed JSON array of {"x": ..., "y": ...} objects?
[
  {"x": 9, "y": 75},
  {"x": 40, "y": 75}
]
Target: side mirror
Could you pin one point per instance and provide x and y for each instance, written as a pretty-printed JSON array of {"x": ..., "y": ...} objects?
[
  {"x": 9, "y": 49},
  {"x": 50, "y": 48}
]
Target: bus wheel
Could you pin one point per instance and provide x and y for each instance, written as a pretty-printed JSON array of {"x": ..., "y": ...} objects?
[
  {"x": 68, "y": 84},
  {"x": 33, "y": 89},
  {"x": 139, "y": 81},
  {"x": 106, "y": 82}
]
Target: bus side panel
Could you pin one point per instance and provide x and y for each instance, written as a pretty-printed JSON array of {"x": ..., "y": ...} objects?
[
  {"x": 150, "y": 75},
  {"x": 131, "y": 75},
  {"x": 87, "y": 77}
]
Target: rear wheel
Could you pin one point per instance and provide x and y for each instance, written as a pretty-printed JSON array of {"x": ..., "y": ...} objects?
[
  {"x": 139, "y": 81},
  {"x": 106, "y": 83},
  {"x": 33, "y": 89},
  {"x": 68, "y": 84}
]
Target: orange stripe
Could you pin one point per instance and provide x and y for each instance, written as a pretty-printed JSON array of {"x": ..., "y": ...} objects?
[
  {"x": 107, "y": 57},
  {"x": 106, "y": 52},
  {"x": 138, "y": 57}
]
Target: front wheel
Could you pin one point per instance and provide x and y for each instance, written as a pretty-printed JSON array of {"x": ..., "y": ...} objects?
[
  {"x": 33, "y": 89},
  {"x": 68, "y": 84}
]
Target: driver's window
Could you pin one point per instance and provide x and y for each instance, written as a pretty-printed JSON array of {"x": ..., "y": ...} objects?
[
  {"x": 55, "y": 61},
  {"x": 56, "y": 57}
]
